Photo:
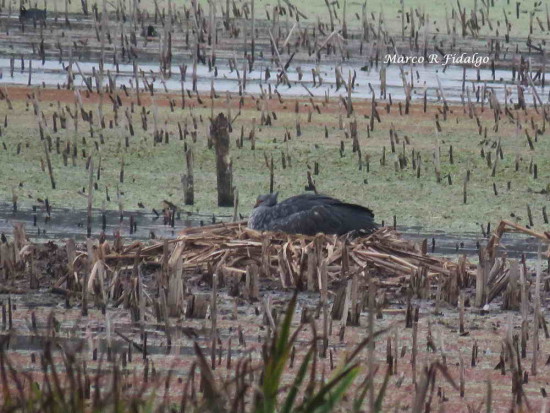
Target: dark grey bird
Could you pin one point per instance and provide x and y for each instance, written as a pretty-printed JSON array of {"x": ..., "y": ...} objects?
[
  {"x": 32, "y": 14},
  {"x": 310, "y": 214}
]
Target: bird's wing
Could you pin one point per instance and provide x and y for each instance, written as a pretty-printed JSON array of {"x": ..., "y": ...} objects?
[{"x": 312, "y": 221}]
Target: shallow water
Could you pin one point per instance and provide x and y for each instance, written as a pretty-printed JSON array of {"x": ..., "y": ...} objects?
[
  {"x": 64, "y": 223},
  {"x": 423, "y": 77}
]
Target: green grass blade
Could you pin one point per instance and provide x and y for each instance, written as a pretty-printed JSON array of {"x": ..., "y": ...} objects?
[
  {"x": 277, "y": 359},
  {"x": 332, "y": 398},
  {"x": 291, "y": 398},
  {"x": 321, "y": 398}
]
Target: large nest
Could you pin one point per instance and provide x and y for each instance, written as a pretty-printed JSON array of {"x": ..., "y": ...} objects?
[
  {"x": 241, "y": 258},
  {"x": 298, "y": 260}
]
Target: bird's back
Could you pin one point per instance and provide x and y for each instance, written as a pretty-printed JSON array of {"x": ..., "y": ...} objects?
[{"x": 307, "y": 201}]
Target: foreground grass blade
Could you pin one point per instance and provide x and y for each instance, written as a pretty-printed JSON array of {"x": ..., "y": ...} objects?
[
  {"x": 291, "y": 398},
  {"x": 276, "y": 361},
  {"x": 326, "y": 396}
]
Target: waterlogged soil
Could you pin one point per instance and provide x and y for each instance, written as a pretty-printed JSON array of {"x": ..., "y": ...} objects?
[
  {"x": 439, "y": 338},
  {"x": 39, "y": 316}
]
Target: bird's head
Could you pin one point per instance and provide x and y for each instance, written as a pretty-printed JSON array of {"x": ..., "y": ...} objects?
[{"x": 268, "y": 200}]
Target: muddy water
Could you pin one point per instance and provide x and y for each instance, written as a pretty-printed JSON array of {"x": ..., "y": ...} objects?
[
  {"x": 422, "y": 77},
  {"x": 64, "y": 223},
  {"x": 452, "y": 244}
]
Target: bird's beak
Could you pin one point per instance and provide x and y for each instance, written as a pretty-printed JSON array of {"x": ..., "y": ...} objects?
[{"x": 257, "y": 204}]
